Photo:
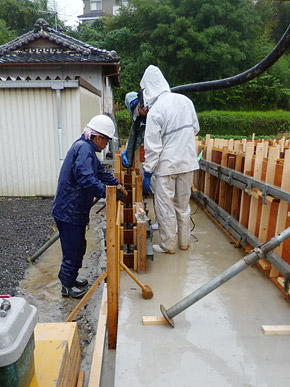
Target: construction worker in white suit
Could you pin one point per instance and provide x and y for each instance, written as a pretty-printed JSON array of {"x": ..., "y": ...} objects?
[{"x": 170, "y": 154}]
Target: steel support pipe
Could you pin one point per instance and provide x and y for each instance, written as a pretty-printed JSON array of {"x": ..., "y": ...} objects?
[
  {"x": 249, "y": 260},
  {"x": 44, "y": 247}
]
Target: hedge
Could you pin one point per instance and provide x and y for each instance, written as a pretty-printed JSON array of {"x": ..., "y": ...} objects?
[
  {"x": 124, "y": 123},
  {"x": 228, "y": 123},
  {"x": 225, "y": 123}
]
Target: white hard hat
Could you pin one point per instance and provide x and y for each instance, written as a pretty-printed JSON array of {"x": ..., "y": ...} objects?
[{"x": 103, "y": 125}]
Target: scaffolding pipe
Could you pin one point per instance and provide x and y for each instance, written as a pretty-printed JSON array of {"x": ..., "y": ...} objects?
[
  {"x": 55, "y": 238},
  {"x": 249, "y": 260},
  {"x": 44, "y": 247}
]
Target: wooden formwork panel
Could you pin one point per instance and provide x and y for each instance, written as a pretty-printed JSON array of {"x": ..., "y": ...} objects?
[
  {"x": 253, "y": 159},
  {"x": 128, "y": 215}
]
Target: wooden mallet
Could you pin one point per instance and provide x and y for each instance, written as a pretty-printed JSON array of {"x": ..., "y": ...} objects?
[{"x": 146, "y": 290}]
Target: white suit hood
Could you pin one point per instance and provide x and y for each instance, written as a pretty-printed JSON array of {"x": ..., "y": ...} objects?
[
  {"x": 171, "y": 127},
  {"x": 154, "y": 84}
]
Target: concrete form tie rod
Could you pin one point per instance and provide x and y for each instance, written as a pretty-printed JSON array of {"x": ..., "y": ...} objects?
[{"x": 250, "y": 259}]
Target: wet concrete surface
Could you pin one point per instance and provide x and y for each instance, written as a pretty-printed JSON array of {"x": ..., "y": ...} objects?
[
  {"x": 42, "y": 288},
  {"x": 218, "y": 340}
]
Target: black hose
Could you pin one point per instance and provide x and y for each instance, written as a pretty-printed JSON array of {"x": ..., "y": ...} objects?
[{"x": 239, "y": 79}]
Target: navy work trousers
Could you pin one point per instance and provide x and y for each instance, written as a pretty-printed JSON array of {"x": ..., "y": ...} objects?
[{"x": 73, "y": 245}]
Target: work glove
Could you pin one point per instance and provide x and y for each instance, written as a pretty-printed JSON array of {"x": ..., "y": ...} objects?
[
  {"x": 146, "y": 182},
  {"x": 124, "y": 158},
  {"x": 120, "y": 196}
]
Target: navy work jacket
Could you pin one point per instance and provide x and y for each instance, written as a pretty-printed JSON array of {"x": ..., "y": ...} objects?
[{"x": 82, "y": 177}]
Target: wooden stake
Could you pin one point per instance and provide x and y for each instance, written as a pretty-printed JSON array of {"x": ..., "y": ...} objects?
[
  {"x": 139, "y": 189},
  {"x": 141, "y": 236},
  {"x": 81, "y": 379},
  {"x": 207, "y": 175},
  {"x": 254, "y": 201},
  {"x": 245, "y": 200},
  {"x": 283, "y": 206},
  {"x": 236, "y": 192},
  {"x": 112, "y": 266},
  {"x": 223, "y": 184},
  {"x": 266, "y": 208},
  {"x": 87, "y": 296}
]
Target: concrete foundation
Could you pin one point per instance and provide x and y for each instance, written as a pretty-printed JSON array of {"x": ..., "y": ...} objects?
[{"x": 217, "y": 341}]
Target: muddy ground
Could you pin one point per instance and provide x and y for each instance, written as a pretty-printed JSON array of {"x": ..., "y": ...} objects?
[{"x": 25, "y": 225}]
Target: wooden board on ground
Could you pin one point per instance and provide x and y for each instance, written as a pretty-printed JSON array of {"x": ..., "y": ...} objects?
[
  {"x": 96, "y": 366},
  {"x": 154, "y": 320},
  {"x": 276, "y": 329}
]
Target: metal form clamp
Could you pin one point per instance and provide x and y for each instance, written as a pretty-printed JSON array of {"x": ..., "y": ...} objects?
[
  {"x": 230, "y": 178},
  {"x": 249, "y": 185},
  {"x": 264, "y": 193}
]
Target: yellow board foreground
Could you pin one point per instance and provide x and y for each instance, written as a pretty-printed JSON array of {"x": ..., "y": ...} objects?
[{"x": 56, "y": 355}]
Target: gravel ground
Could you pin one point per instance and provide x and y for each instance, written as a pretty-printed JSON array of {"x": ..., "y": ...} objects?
[{"x": 25, "y": 225}]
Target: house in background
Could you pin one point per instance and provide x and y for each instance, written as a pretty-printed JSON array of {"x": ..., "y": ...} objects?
[
  {"x": 96, "y": 9},
  {"x": 51, "y": 85}
]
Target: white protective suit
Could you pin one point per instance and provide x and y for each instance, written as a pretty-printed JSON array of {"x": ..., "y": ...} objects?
[{"x": 170, "y": 153}]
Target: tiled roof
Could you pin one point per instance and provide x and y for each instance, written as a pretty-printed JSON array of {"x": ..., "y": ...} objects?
[{"x": 68, "y": 50}]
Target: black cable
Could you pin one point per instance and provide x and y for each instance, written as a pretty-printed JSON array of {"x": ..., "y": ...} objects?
[{"x": 193, "y": 225}]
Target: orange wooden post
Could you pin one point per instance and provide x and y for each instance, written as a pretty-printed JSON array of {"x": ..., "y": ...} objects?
[
  {"x": 112, "y": 266},
  {"x": 266, "y": 208},
  {"x": 117, "y": 165},
  {"x": 207, "y": 175},
  {"x": 270, "y": 176},
  {"x": 245, "y": 200},
  {"x": 141, "y": 246},
  {"x": 255, "y": 200},
  {"x": 139, "y": 189},
  {"x": 235, "y": 205},
  {"x": 223, "y": 184},
  {"x": 283, "y": 206}
]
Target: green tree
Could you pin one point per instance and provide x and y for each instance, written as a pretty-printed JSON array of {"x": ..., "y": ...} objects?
[
  {"x": 195, "y": 41},
  {"x": 20, "y": 16},
  {"x": 5, "y": 33}
]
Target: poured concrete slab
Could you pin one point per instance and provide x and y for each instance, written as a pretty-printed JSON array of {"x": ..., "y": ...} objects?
[{"x": 217, "y": 341}]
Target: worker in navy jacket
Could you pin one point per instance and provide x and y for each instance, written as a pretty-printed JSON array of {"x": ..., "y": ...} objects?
[{"x": 82, "y": 178}]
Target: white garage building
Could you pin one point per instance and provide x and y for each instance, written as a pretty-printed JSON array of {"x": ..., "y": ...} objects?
[{"x": 50, "y": 86}]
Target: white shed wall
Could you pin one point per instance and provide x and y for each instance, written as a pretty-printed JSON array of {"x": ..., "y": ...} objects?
[
  {"x": 29, "y": 135},
  {"x": 91, "y": 105},
  {"x": 29, "y": 151}
]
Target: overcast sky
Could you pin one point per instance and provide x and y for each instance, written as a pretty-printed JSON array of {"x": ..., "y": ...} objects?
[{"x": 68, "y": 10}]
